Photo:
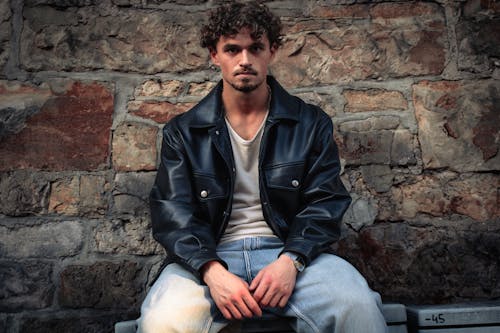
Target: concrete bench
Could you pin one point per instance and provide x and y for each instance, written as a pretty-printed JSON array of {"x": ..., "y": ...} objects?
[
  {"x": 477, "y": 317},
  {"x": 394, "y": 313}
]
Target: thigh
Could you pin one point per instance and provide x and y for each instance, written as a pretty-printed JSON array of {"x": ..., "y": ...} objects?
[
  {"x": 177, "y": 302},
  {"x": 331, "y": 294}
]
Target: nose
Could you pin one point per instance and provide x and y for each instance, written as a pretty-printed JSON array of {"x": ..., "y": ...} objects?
[{"x": 245, "y": 60}]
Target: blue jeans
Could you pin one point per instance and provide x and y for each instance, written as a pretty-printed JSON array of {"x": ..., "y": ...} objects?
[{"x": 329, "y": 296}]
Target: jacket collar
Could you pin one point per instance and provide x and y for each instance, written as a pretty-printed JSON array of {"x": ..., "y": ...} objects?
[{"x": 208, "y": 112}]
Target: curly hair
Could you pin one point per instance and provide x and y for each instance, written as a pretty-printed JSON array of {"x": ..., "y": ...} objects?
[{"x": 228, "y": 20}]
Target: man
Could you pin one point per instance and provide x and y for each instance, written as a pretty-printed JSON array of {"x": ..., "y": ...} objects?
[{"x": 248, "y": 200}]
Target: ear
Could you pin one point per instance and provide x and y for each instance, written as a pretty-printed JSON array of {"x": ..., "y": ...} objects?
[
  {"x": 273, "y": 50},
  {"x": 214, "y": 56}
]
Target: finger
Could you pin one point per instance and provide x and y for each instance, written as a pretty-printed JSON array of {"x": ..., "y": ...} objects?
[
  {"x": 260, "y": 292},
  {"x": 253, "y": 305},
  {"x": 235, "y": 313},
  {"x": 255, "y": 283},
  {"x": 266, "y": 299},
  {"x": 243, "y": 309},
  {"x": 283, "y": 301},
  {"x": 275, "y": 300},
  {"x": 226, "y": 313}
]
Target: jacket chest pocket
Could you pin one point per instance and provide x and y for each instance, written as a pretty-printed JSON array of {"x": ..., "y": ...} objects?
[
  {"x": 283, "y": 185},
  {"x": 208, "y": 187},
  {"x": 285, "y": 177}
]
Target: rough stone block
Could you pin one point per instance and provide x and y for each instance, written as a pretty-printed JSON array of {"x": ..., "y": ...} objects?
[
  {"x": 69, "y": 322},
  {"x": 25, "y": 285},
  {"x": 48, "y": 240},
  {"x": 134, "y": 147},
  {"x": 378, "y": 177},
  {"x": 361, "y": 213},
  {"x": 126, "y": 236},
  {"x": 458, "y": 124},
  {"x": 158, "y": 88},
  {"x": 102, "y": 285},
  {"x": 404, "y": 148},
  {"x": 391, "y": 40},
  {"x": 200, "y": 89},
  {"x": 478, "y": 39},
  {"x": 5, "y": 31},
  {"x": 78, "y": 195},
  {"x": 374, "y": 100},
  {"x": 94, "y": 37},
  {"x": 428, "y": 262},
  {"x": 370, "y": 147},
  {"x": 160, "y": 112},
  {"x": 73, "y": 118},
  {"x": 131, "y": 192},
  {"x": 23, "y": 193},
  {"x": 444, "y": 194}
]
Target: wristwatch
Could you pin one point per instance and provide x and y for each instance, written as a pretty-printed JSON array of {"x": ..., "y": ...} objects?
[{"x": 298, "y": 262}]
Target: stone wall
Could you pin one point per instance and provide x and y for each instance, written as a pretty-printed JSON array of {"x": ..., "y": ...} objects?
[{"x": 85, "y": 86}]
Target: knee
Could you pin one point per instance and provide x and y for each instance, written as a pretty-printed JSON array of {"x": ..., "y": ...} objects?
[{"x": 153, "y": 321}]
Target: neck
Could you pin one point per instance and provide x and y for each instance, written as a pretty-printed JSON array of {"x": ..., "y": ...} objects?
[{"x": 245, "y": 102}]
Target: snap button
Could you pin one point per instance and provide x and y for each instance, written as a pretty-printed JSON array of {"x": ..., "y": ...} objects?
[
  {"x": 204, "y": 194},
  {"x": 295, "y": 183},
  {"x": 217, "y": 132}
]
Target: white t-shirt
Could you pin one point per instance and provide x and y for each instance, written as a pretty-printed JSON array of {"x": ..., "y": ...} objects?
[{"x": 247, "y": 219}]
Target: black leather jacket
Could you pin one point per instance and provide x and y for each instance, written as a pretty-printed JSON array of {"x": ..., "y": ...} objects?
[{"x": 302, "y": 196}]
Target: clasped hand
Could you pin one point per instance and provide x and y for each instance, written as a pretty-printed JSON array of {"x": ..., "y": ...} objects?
[{"x": 272, "y": 287}]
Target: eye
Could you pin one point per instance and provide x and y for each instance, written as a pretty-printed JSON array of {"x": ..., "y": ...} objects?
[
  {"x": 231, "y": 50},
  {"x": 256, "y": 48}
]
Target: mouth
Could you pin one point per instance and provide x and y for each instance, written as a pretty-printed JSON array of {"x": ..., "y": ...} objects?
[{"x": 245, "y": 73}]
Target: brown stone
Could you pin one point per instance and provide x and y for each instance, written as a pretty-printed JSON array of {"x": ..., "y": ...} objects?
[
  {"x": 158, "y": 88},
  {"x": 94, "y": 37},
  {"x": 372, "y": 147},
  {"x": 374, "y": 100},
  {"x": 26, "y": 285},
  {"x": 457, "y": 124},
  {"x": 160, "y": 112},
  {"x": 200, "y": 89},
  {"x": 393, "y": 45},
  {"x": 64, "y": 196},
  {"x": 102, "y": 285},
  {"x": 78, "y": 195},
  {"x": 134, "y": 147},
  {"x": 66, "y": 130}
]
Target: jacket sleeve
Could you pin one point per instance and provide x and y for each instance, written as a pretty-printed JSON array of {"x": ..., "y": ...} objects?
[
  {"x": 186, "y": 236},
  {"x": 317, "y": 225}
]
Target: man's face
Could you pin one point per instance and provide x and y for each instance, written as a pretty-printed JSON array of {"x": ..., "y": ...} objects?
[{"x": 243, "y": 60}]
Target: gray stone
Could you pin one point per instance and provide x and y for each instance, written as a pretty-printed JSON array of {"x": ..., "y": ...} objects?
[
  {"x": 478, "y": 43},
  {"x": 403, "y": 148},
  {"x": 126, "y": 236},
  {"x": 25, "y": 285},
  {"x": 70, "y": 322},
  {"x": 131, "y": 192},
  {"x": 378, "y": 177},
  {"x": 5, "y": 32},
  {"x": 102, "y": 285},
  {"x": 23, "y": 193},
  {"x": 48, "y": 240},
  {"x": 361, "y": 213}
]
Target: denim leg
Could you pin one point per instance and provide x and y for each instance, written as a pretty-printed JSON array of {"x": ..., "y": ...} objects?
[
  {"x": 329, "y": 296},
  {"x": 178, "y": 303},
  {"x": 332, "y": 296}
]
